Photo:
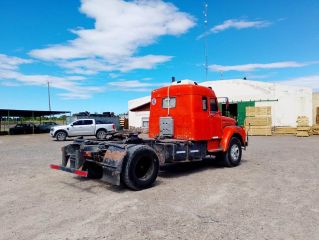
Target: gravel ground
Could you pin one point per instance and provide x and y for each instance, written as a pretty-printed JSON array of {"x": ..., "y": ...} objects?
[{"x": 273, "y": 194}]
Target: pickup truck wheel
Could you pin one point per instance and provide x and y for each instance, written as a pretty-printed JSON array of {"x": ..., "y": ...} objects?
[
  {"x": 232, "y": 157},
  {"x": 101, "y": 134},
  {"x": 60, "y": 136},
  {"x": 141, "y": 168}
]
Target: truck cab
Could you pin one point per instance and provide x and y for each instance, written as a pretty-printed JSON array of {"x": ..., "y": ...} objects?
[{"x": 187, "y": 111}]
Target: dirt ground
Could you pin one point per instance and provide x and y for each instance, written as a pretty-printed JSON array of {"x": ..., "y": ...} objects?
[{"x": 273, "y": 194}]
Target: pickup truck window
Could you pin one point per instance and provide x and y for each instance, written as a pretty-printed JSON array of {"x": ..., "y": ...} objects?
[
  {"x": 87, "y": 122},
  {"x": 77, "y": 123},
  {"x": 169, "y": 102},
  {"x": 102, "y": 122}
]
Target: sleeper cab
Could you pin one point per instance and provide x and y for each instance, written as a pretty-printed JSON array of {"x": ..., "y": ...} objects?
[{"x": 181, "y": 112}]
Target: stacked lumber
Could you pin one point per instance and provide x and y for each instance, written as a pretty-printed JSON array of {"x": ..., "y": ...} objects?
[
  {"x": 285, "y": 131},
  {"x": 315, "y": 130},
  {"x": 258, "y": 121},
  {"x": 258, "y": 111},
  {"x": 303, "y": 128}
]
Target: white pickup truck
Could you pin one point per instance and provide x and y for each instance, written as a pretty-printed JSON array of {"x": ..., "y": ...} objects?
[{"x": 83, "y": 127}]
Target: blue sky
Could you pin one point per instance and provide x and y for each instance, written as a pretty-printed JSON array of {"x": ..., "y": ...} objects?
[{"x": 99, "y": 54}]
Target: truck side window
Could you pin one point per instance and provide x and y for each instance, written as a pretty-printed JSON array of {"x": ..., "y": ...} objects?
[
  {"x": 169, "y": 102},
  {"x": 88, "y": 122},
  {"x": 213, "y": 105},
  {"x": 77, "y": 123},
  {"x": 204, "y": 103}
]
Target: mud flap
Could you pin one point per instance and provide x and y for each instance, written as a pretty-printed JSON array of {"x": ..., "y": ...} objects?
[{"x": 112, "y": 164}]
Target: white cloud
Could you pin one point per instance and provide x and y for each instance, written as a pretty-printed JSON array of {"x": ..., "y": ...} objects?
[
  {"x": 254, "y": 66},
  {"x": 120, "y": 29},
  {"x": 145, "y": 62},
  {"x": 311, "y": 81},
  {"x": 236, "y": 24},
  {"x": 12, "y": 63},
  {"x": 134, "y": 85},
  {"x": 11, "y": 76}
]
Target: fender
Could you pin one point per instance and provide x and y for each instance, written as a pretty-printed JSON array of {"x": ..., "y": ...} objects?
[
  {"x": 229, "y": 132},
  {"x": 101, "y": 128}
]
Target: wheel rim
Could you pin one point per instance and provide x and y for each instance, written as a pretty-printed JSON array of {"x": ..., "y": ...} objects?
[
  {"x": 234, "y": 152},
  {"x": 60, "y": 136},
  {"x": 144, "y": 168},
  {"x": 101, "y": 134}
]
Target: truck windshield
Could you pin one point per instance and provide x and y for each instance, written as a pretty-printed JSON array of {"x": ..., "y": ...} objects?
[{"x": 169, "y": 102}]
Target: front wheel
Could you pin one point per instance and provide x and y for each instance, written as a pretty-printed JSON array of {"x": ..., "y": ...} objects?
[
  {"x": 141, "y": 168},
  {"x": 60, "y": 136},
  {"x": 232, "y": 157}
]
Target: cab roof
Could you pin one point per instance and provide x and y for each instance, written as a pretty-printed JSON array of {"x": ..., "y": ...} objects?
[{"x": 183, "y": 89}]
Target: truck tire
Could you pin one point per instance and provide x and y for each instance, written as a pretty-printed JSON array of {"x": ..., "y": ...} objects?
[
  {"x": 141, "y": 168},
  {"x": 232, "y": 157},
  {"x": 61, "y": 136},
  {"x": 101, "y": 134}
]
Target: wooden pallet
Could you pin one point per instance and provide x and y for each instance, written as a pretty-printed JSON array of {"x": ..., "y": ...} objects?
[
  {"x": 258, "y": 121},
  {"x": 302, "y": 121},
  {"x": 259, "y": 130},
  {"x": 315, "y": 130},
  {"x": 258, "y": 111},
  {"x": 302, "y": 134},
  {"x": 285, "y": 131}
]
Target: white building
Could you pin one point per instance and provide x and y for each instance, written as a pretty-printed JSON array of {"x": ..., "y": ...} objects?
[
  {"x": 139, "y": 112},
  {"x": 287, "y": 102}
]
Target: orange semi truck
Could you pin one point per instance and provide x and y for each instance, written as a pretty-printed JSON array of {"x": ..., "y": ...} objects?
[{"x": 185, "y": 124}]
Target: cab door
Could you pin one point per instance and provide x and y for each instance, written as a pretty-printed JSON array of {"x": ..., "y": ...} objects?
[
  {"x": 88, "y": 127},
  {"x": 76, "y": 128},
  {"x": 215, "y": 122}
]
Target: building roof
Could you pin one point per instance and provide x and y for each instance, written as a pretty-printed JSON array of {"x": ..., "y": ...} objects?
[
  {"x": 28, "y": 113},
  {"x": 135, "y": 103}
]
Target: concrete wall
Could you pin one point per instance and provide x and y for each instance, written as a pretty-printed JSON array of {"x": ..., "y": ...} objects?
[
  {"x": 292, "y": 102},
  {"x": 135, "y": 119},
  {"x": 315, "y": 104}
]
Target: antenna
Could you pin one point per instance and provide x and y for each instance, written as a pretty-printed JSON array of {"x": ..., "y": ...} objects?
[{"x": 206, "y": 44}]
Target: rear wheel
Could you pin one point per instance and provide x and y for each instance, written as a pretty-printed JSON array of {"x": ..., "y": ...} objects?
[
  {"x": 101, "y": 134},
  {"x": 232, "y": 157},
  {"x": 60, "y": 136},
  {"x": 141, "y": 168}
]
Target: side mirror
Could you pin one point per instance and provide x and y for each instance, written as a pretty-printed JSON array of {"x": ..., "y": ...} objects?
[
  {"x": 71, "y": 124},
  {"x": 227, "y": 104}
]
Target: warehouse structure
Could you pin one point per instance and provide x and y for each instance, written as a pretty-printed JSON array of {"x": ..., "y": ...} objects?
[{"x": 286, "y": 102}]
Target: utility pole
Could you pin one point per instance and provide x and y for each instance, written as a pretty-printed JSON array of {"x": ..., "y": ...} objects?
[
  {"x": 206, "y": 33},
  {"x": 49, "y": 97}
]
